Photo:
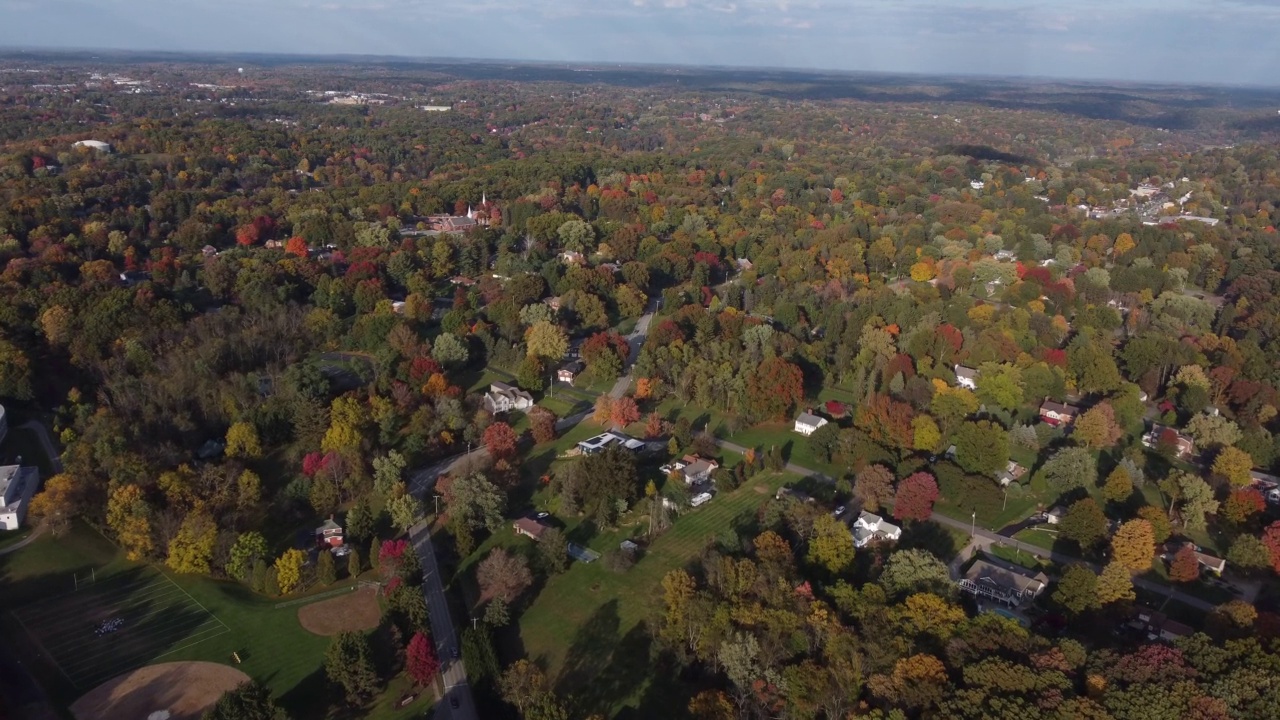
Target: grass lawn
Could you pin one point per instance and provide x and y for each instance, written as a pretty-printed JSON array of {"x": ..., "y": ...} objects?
[
  {"x": 561, "y": 405},
  {"x": 589, "y": 626},
  {"x": 271, "y": 643},
  {"x": 795, "y": 448}
]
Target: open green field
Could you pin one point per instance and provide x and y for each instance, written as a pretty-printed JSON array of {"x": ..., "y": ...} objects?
[
  {"x": 589, "y": 626},
  {"x": 166, "y": 618}
]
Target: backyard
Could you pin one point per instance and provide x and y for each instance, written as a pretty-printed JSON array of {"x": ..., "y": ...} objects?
[{"x": 587, "y": 626}]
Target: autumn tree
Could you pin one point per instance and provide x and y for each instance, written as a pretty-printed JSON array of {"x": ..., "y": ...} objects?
[
  {"x": 886, "y": 422},
  {"x": 129, "y": 517},
  {"x": 873, "y": 487},
  {"x": 917, "y": 682},
  {"x": 1070, "y": 468},
  {"x": 1196, "y": 498},
  {"x": 831, "y": 546},
  {"x": 1242, "y": 505},
  {"x": 1234, "y": 465},
  {"x": 1185, "y": 566},
  {"x": 542, "y": 424},
  {"x": 546, "y": 340},
  {"x": 57, "y": 503},
  {"x": 915, "y": 497},
  {"x": 1097, "y": 427},
  {"x": 249, "y": 548},
  {"x": 603, "y": 411},
  {"x": 926, "y": 436},
  {"x": 421, "y": 663},
  {"x": 910, "y": 571},
  {"x": 1133, "y": 545},
  {"x": 1115, "y": 584},
  {"x": 500, "y": 440},
  {"x": 1159, "y": 520},
  {"x": 503, "y": 575},
  {"x": 1249, "y": 555},
  {"x": 289, "y": 569},
  {"x": 1271, "y": 539},
  {"x": 192, "y": 548},
  {"x": 242, "y": 441},
  {"x": 775, "y": 388},
  {"x": 326, "y": 570},
  {"x": 251, "y": 700},
  {"x": 1119, "y": 485},
  {"x": 623, "y": 411}
]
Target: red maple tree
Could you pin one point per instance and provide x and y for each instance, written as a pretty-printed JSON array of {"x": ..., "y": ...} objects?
[
  {"x": 915, "y": 497},
  {"x": 296, "y": 245},
  {"x": 420, "y": 660},
  {"x": 775, "y": 387},
  {"x": 501, "y": 441},
  {"x": 1185, "y": 566}
]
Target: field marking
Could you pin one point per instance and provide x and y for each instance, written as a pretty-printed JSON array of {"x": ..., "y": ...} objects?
[
  {"x": 40, "y": 647},
  {"x": 62, "y": 618}
]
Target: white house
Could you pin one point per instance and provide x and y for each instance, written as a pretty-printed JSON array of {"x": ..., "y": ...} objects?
[
  {"x": 604, "y": 440},
  {"x": 966, "y": 377},
  {"x": 17, "y": 486},
  {"x": 1005, "y": 583},
  {"x": 92, "y": 145},
  {"x": 1055, "y": 514},
  {"x": 873, "y": 528},
  {"x": 807, "y": 423},
  {"x": 1012, "y": 473},
  {"x": 505, "y": 398},
  {"x": 699, "y": 471}
]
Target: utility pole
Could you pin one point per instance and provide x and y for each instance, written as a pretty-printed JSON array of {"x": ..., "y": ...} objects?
[
  {"x": 437, "y": 499},
  {"x": 973, "y": 526}
]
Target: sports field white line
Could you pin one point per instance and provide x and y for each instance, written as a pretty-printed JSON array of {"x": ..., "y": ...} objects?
[
  {"x": 40, "y": 648},
  {"x": 144, "y": 633},
  {"x": 92, "y": 680},
  {"x": 73, "y": 627},
  {"x": 89, "y": 598}
]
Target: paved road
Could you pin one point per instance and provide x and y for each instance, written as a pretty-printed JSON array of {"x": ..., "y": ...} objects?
[
  {"x": 635, "y": 340},
  {"x": 988, "y": 537},
  {"x": 50, "y": 449},
  {"x": 453, "y": 672}
]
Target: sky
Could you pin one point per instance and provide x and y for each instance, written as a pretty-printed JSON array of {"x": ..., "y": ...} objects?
[{"x": 1179, "y": 41}]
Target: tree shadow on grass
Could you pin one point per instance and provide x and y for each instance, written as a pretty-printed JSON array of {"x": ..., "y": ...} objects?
[
  {"x": 930, "y": 536},
  {"x": 609, "y": 669},
  {"x": 590, "y": 650}
]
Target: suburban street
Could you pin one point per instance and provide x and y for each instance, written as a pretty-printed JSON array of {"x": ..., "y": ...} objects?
[
  {"x": 420, "y": 482},
  {"x": 985, "y": 538}
]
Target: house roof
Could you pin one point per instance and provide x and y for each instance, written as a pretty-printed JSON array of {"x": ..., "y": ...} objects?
[
  {"x": 573, "y": 366},
  {"x": 699, "y": 467},
  {"x": 529, "y": 526},
  {"x": 328, "y": 527},
  {"x": 811, "y": 420},
  {"x": 1010, "y": 577},
  {"x": 1059, "y": 408},
  {"x": 966, "y": 372}
]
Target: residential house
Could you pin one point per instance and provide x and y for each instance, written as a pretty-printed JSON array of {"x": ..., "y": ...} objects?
[
  {"x": 977, "y": 184},
  {"x": 503, "y": 398},
  {"x": 1058, "y": 414},
  {"x": 699, "y": 470},
  {"x": 460, "y": 280},
  {"x": 570, "y": 371},
  {"x": 870, "y": 528},
  {"x": 1212, "y": 563},
  {"x": 1012, "y": 473},
  {"x": 553, "y": 303},
  {"x": 1183, "y": 445},
  {"x": 209, "y": 251},
  {"x": 329, "y": 534},
  {"x": 572, "y": 257},
  {"x": 17, "y": 486},
  {"x": 598, "y": 443},
  {"x": 1003, "y": 582},
  {"x": 1157, "y": 626},
  {"x": 808, "y": 423},
  {"x": 529, "y": 528},
  {"x": 1054, "y": 515},
  {"x": 966, "y": 377}
]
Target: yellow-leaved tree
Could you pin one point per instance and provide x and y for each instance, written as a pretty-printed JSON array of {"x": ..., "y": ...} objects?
[
  {"x": 289, "y": 569},
  {"x": 192, "y": 548},
  {"x": 129, "y": 517},
  {"x": 242, "y": 441}
]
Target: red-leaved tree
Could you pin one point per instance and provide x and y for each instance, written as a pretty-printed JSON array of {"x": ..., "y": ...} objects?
[
  {"x": 915, "y": 497},
  {"x": 623, "y": 411},
  {"x": 886, "y": 421},
  {"x": 296, "y": 245},
  {"x": 775, "y": 388},
  {"x": 604, "y": 342},
  {"x": 501, "y": 441},
  {"x": 1271, "y": 538},
  {"x": 1185, "y": 566},
  {"x": 247, "y": 235},
  {"x": 420, "y": 660}
]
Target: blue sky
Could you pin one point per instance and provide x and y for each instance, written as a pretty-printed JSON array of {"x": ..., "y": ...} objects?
[{"x": 1202, "y": 41}]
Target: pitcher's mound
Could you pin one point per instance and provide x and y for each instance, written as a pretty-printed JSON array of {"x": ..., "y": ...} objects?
[
  {"x": 348, "y": 612},
  {"x": 184, "y": 690}
]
